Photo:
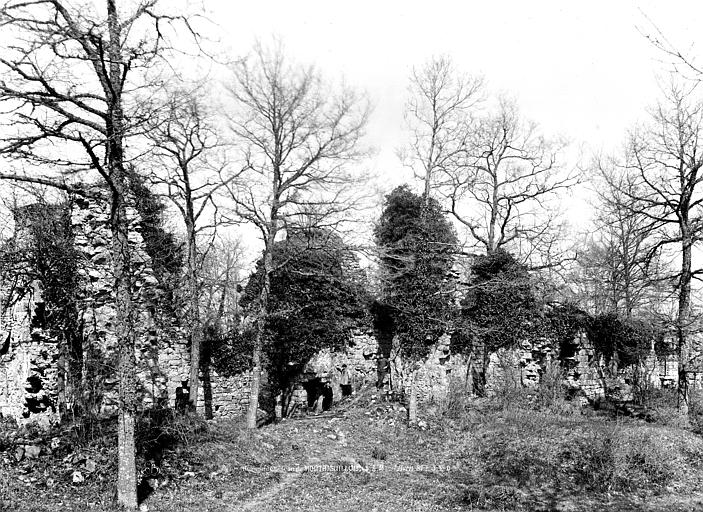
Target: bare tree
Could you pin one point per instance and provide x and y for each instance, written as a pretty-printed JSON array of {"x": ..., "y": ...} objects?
[
  {"x": 222, "y": 279},
  {"x": 437, "y": 115},
  {"x": 189, "y": 164},
  {"x": 70, "y": 75},
  {"x": 619, "y": 261},
  {"x": 665, "y": 160},
  {"x": 298, "y": 137},
  {"x": 502, "y": 193}
]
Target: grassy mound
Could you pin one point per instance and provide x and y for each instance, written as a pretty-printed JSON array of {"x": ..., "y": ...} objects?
[{"x": 526, "y": 457}]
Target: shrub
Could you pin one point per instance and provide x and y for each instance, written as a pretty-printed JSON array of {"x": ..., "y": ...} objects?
[
  {"x": 162, "y": 428},
  {"x": 550, "y": 393},
  {"x": 695, "y": 412},
  {"x": 459, "y": 406},
  {"x": 531, "y": 448},
  {"x": 506, "y": 387},
  {"x": 379, "y": 453},
  {"x": 456, "y": 401}
]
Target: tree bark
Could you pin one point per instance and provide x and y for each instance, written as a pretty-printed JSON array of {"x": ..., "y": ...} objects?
[
  {"x": 261, "y": 321},
  {"x": 126, "y": 472},
  {"x": 683, "y": 319},
  {"x": 412, "y": 403},
  {"x": 126, "y": 339},
  {"x": 196, "y": 331}
]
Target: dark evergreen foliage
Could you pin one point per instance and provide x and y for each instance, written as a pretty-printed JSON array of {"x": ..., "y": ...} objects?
[
  {"x": 500, "y": 309},
  {"x": 318, "y": 297},
  {"x": 417, "y": 245},
  {"x": 165, "y": 251},
  {"x": 628, "y": 340}
]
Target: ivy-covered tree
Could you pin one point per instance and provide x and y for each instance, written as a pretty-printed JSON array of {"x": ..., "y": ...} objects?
[
  {"x": 317, "y": 297},
  {"x": 499, "y": 310},
  {"x": 417, "y": 244}
]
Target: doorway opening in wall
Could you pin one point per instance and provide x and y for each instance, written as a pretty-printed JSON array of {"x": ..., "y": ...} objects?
[{"x": 319, "y": 394}]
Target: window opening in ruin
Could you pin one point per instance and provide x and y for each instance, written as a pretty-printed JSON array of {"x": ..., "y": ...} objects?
[
  {"x": 34, "y": 384},
  {"x": 5, "y": 348},
  {"x": 182, "y": 394}
]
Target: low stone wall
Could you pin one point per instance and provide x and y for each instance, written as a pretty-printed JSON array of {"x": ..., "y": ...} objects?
[{"x": 584, "y": 372}]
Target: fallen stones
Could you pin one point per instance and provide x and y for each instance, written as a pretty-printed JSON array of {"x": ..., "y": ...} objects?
[
  {"x": 32, "y": 451},
  {"x": 77, "y": 477},
  {"x": 90, "y": 465}
]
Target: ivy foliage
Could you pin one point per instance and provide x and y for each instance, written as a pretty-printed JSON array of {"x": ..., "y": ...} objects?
[
  {"x": 318, "y": 296},
  {"x": 229, "y": 352},
  {"x": 628, "y": 340},
  {"x": 163, "y": 248},
  {"x": 500, "y": 309},
  {"x": 43, "y": 251},
  {"x": 417, "y": 245},
  {"x": 562, "y": 323}
]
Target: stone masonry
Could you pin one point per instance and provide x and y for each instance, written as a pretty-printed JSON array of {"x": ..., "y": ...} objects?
[{"x": 34, "y": 383}]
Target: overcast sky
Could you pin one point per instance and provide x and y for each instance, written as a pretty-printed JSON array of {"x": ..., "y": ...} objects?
[{"x": 583, "y": 70}]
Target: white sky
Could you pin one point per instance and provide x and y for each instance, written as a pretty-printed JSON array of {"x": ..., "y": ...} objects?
[{"x": 580, "y": 69}]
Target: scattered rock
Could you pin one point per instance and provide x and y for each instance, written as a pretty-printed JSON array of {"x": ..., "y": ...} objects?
[
  {"x": 90, "y": 465},
  {"x": 348, "y": 461},
  {"x": 19, "y": 453},
  {"x": 422, "y": 424},
  {"x": 77, "y": 477},
  {"x": 32, "y": 451},
  {"x": 143, "y": 507}
]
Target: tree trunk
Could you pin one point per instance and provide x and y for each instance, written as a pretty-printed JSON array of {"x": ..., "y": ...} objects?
[
  {"x": 126, "y": 467},
  {"x": 196, "y": 330},
  {"x": 255, "y": 382},
  {"x": 261, "y": 323},
  {"x": 412, "y": 404},
  {"x": 683, "y": 319},
  {"x": 119, "y": 225}
]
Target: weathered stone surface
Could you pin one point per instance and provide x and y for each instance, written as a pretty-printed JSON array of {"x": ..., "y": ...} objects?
[
  {"x": 32, "y": 451},
  {"x": 34, "y": 384}
]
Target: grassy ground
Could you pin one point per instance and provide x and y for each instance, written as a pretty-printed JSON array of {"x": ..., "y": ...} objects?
[{"x": 363, "y": 457}]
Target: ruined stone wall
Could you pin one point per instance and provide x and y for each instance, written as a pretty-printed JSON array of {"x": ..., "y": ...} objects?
[
  {"x": 29, "y": 363},
  {"x": 364, "y": 362},
  {"x": 585, "y": 371},
  {"x": 360, "y": 356},
  {"x": 34, "y": 383},
  {"x": 163, "y": 349},
  {"x": 433, "y": 376}
]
